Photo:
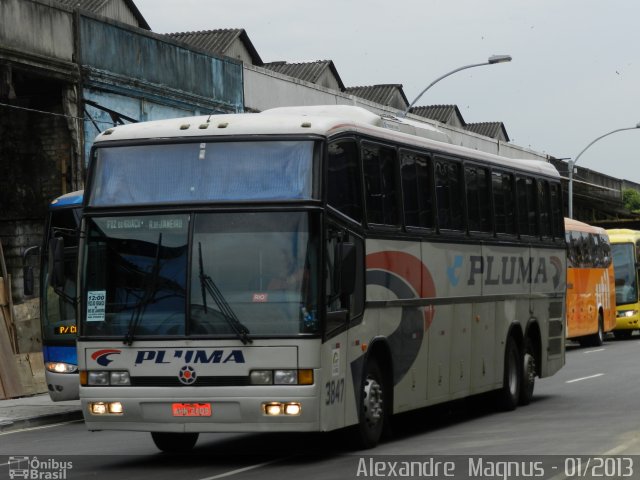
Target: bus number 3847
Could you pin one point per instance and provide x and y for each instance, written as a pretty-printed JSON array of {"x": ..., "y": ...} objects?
[{"x": 335, "y": 390}]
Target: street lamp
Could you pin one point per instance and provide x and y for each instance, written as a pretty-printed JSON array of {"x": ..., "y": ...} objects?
[
  {"x": 572, "y": 163},
  {"x": 492, "y": 60}
]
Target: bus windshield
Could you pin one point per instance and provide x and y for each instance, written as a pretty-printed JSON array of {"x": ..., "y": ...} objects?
[
  {"x": 148, "y": 275},
  {"x": 624, "y": 266},
  {"x": 202, "y": 172}
]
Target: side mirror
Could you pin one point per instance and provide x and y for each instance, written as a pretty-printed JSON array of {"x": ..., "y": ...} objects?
[
  {"x": 27, "y": 270},
  {"x": 346, "y": 256},
  {"x": 56, "y": 262}
]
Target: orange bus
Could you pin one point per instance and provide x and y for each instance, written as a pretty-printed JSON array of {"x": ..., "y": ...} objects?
[{"x": 591, "y": 293}]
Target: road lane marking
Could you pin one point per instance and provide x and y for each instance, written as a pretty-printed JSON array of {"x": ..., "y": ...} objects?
[
  {"x": 597, "y": 350},
  {"x": 585, "y": 378},
  {"x": 244, "y": 469}
]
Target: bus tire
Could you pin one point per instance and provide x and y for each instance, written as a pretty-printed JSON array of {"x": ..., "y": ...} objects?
[
  {"x": 597, "y": 339},
  {"x": 372, "y": 408},
  {"x": 528, "y": 373},
  {"x": 171, "y": 442},
  {"x": 509, "y": 394}
]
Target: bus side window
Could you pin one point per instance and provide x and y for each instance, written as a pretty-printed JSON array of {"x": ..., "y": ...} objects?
[
  {"x": 571, "y": 250},
  {"x": 449, "y": 194},
  {"x": 504, "y": 202},
  {"x": 596, "y": 250},
  {"x": 556, "y": 210},
  {"x": 606, "y": 251},
  {"x": 527, "y": 208},
  {"x": 380, "y": 166},
  {"x": 544, "y": 207},
  {"x": 582, "y": 250},
  {"x": 478, "y": 199},
  {"x": 416, "y": 189},
  {"x": 344, "y": 191}
]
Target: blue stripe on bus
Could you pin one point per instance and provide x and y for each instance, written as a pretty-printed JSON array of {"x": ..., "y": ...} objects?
[
  {"x": 72, "y": 198},
  {"x": 60, "y": 354}
]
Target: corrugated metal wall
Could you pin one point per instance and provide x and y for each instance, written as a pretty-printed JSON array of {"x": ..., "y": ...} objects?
[
  {"x": 153, "y": 60},
  {"x": 149, "y": 77}
]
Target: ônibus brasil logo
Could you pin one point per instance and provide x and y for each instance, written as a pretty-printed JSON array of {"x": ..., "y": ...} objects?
[{"x": 102, "y": 356}]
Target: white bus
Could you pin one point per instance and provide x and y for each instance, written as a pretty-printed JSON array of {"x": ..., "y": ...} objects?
[{"x": 309, "y": 269}]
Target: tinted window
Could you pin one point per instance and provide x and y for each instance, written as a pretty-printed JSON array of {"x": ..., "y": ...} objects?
[
  {"x": 449, "y": 194},
  {"x": 556, "y": 210},
  {"x": 527, "y": 222},
  {"x": 379, "y": 164},
  {"x": 544, "y": 207},
  {"x": 416, "y": 189},
  {"x": 201, "y": 172},
  {"x": 504, "y": 202},
  {"x": 478, "y": 199},
  {"x": 343, "y": 179}
]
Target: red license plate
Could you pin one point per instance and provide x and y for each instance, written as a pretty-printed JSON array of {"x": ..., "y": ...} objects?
[{"x": 191, "y": 409}]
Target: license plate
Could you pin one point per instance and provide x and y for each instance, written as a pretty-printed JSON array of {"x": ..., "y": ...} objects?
[{"x": 191, "y": 409}]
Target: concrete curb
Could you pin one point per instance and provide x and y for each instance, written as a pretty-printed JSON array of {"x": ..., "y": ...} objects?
[{"x": 40, "y": 420}]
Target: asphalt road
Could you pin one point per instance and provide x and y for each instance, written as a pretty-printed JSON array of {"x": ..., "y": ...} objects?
[{"x": 589, "y": 408}]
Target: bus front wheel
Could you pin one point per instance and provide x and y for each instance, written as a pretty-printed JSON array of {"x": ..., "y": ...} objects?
[
  {"x": 372, "y": 410},
  {"x": 174, "y": 442}
]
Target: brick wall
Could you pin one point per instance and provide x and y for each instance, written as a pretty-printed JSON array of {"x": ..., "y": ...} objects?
[{"x": 35, "y": 150}]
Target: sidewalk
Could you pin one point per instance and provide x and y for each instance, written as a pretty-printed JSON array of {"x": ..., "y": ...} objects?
[{"x": 36, "y": 410}]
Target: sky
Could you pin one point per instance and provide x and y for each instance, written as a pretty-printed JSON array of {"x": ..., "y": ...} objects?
[{"x": 574, "y": 76}]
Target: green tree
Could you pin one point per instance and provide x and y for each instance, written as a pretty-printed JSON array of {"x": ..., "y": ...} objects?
[{"x": 631, "y": 199}]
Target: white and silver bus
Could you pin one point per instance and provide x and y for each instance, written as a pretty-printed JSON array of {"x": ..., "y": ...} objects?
[{"x": 309, "y": 269}]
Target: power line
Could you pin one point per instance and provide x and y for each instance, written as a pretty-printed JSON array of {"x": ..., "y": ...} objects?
[{"x": 52, "y": 113}]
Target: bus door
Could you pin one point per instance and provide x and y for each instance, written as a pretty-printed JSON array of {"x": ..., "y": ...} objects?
[{"x": 344, "y": 301}]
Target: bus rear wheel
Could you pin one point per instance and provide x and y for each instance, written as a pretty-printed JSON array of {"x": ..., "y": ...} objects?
[
  {"x": 170, "y": 442},
  {"x": 372, "y": 408},
  {"x": 529, "y": 373},
  {"x": 509, "y": 394},
  {"x": 596, "y": 339}
]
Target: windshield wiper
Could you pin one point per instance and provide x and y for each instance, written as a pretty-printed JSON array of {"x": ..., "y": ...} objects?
[
  {"x": 147, "y": 296},
  {"x": 208, "y": 286}
]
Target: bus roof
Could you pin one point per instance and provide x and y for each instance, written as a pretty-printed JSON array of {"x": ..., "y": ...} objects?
[
  {"x": 623, "y": 235},
  {"x": 68, "y": 199},
  {"x": 322, "y": 120},
  {"x": 572, "y": 225}
]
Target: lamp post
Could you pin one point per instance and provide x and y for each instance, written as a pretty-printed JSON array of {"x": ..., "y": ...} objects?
[
  {"x": 492, "y": 60},
  {"x": 572, "y": 163}
]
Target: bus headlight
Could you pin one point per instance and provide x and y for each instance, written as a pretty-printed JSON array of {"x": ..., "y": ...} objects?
[
  {"x": 106, "y": 408},
  {"x": 98, "y": 378},
  {"x": 120, "y": 378},
  {"x": 292, "y": 408},
  {"x": 61, "y": 367},
  {"x": 261, "y": 377},
  {"x": 282, "y": 377},
  {"x": 274, "y": 409},
  {"x": 102, "y": 378},
  {"x": 98, "y": 408},
  {"x": 285, "y": 377},
  {"x": 115, "y": 408},
  {"x": 627, "y": 313}
]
